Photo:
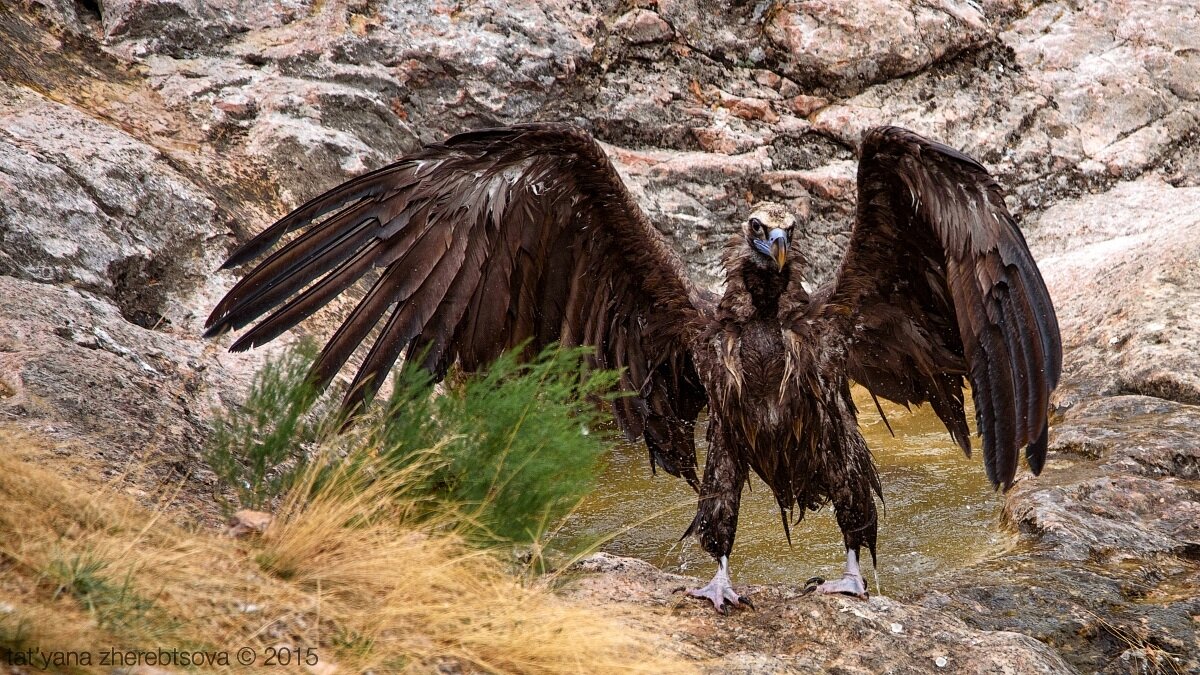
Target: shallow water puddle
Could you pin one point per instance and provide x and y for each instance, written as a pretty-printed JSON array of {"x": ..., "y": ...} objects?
[{"x": 940, "y": 512}]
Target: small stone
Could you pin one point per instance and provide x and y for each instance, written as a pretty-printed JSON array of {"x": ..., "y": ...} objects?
[
  {"x": 237, "y": 106},
  {"x": 804, "y": 105},
  {"x": 941, "y": 662},
  {"x": 750, "y": 109},
  {"x": 724, "y": 141},
  {"x": 246, "y": 522},
  {"x": 642, "y": 26},
  {"x": 768, "y": 78},
  {"x": 897, "y": 628},
  {"x": 323, "y": 668}
]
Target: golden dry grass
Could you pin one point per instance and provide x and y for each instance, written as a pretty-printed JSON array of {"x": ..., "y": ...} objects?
[
  {"x": 1154, "y": 659},
  {"x": 84, "y": 567}
]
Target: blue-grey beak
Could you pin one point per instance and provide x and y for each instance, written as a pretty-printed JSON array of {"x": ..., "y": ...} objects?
[{"x": 778, "y": 241}]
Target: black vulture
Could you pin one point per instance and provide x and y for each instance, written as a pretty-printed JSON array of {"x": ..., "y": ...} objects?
[{"x": 526, "y": 235}]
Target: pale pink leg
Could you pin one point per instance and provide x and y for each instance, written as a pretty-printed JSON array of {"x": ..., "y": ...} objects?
[
  {"x": 851, "y": 582},
  {"x": 719, "y": 591}
]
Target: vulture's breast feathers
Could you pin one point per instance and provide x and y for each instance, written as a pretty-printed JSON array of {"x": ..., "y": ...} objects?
[{"x": 761, "y": 343}]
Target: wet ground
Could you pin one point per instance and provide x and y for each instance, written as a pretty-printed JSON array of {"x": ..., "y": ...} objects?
[{"x": 940, "y": 512}]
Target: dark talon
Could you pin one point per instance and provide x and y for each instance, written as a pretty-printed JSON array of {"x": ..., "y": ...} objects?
[
  {"x": 851, "y": 583},
  {"x": 723, "y": 610},
  {"x": 748, "y": 602},
  {"x": 811, "y": 585},
  {"x": 678, "y": 589}
]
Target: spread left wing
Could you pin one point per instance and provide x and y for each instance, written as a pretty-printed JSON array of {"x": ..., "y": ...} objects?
[
  {"x": 486, "y": 241},
  {"x": 938, "y": 285}
]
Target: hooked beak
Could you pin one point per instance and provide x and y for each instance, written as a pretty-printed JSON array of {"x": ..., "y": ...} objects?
[{"x": 778, "y": 242}]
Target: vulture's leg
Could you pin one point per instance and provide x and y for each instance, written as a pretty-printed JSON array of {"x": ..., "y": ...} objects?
[
  {"x": 716, "y": 522},
  {"x": 850, "y": 477},
  {"x": 851, "y": 582}
]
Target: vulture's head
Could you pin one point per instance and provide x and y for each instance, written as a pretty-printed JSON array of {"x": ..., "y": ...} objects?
[{"x": 769, "y": 232}]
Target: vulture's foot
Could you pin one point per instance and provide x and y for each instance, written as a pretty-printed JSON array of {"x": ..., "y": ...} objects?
[
  {"x": 851, "y": 582},
  {"x": 847, "y": 585},
  {"x": 720, "y": 592}
]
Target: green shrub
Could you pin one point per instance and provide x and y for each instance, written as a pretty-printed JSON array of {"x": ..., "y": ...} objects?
[
  {"x": 258, "y": 448},
  {"x": 517, "y": 447},
  {"x": 510, "y": 451}
]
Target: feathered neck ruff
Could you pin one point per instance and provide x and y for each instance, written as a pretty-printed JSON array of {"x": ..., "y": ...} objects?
[{"x": 751, "y": 290}]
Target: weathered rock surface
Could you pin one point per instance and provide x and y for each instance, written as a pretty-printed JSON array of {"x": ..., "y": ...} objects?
[
  {"x": 141, "y": 139},
  {"x": 74, "y": 369},
  {"x": 93, "y": 207},
  {"x": 1123, "y": 267},
  {"x": 1108, "y": 563},
  {"x": 845, "y": 46},
  {"x": 794, "y": 633}
]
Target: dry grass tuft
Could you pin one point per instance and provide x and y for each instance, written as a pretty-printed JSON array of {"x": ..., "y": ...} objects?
[
  {"x": 1145, "y": 655},
  {"x": 83, "y": 567}
]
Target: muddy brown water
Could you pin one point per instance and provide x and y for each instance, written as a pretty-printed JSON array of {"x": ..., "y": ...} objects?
[{"x": 940, "y": 512}]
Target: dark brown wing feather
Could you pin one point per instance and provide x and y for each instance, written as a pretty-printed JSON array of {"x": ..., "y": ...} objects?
[
  {"x": 937, "y": 285},
  {"x": 486, "y": 240}
]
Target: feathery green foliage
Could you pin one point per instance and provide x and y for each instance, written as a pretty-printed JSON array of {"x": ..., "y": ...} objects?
[
  {"x": 517, "y": 448},
  {"x": 510, "y": 451},
  {"x": 259, "y": 447}
]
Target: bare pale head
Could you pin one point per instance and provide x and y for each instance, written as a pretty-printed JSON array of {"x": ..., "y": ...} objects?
[{"x": 769, "y": 232}]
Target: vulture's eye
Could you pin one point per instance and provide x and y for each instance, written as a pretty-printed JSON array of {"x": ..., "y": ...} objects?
[{"x": 757, "y": 225}]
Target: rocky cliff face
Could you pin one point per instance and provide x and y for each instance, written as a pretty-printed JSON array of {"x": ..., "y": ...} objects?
[{"x": 141, "y": 139}]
